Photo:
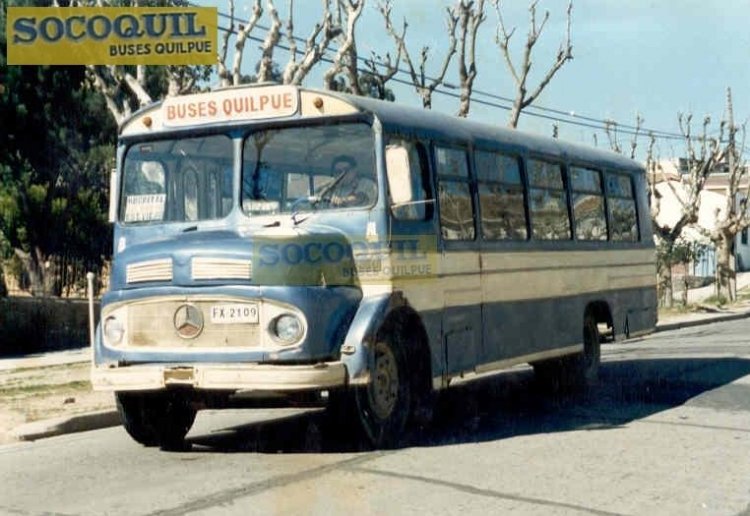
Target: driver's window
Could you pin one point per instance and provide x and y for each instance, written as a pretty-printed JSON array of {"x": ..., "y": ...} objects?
[{"x": 420, "y": 206}]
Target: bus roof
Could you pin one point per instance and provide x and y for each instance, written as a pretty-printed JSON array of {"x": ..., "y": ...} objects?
[{"x": 238, "y": 105}]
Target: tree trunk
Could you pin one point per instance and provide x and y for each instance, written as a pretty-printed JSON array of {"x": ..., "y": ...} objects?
[
  {"x": 725, "y": 266},
  {"x": 34, "y": 267}
]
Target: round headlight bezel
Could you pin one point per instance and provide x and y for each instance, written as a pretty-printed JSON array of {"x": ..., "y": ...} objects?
[
  {"x": 113, "y": 330},
  {"x": 287, "y": 329}
]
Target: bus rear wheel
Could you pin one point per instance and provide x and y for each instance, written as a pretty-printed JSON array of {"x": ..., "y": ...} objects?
[
  {"x": 384, "y": 405},
  {"x": 156, "y": 418},
  {"x": 585, "y": 366},
  {"x": 578, "y": 371}
]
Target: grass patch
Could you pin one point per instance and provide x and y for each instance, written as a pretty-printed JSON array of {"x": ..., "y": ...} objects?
[
  {"x": 715, "y": 300},
  {"x": 53, "y": 368},
  {"x": 33, "y": 390}
]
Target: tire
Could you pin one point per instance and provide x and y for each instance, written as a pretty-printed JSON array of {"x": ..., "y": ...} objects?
[
  {"x": 585, "y": 366},
  {"x": 576, "y": 372},
  {"x": 156, "y": 418},
  {"x": 384, "y": 406}
]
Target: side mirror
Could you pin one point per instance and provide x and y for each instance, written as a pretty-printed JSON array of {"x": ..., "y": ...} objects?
[
  {"x": 113, "y": 195},
  {"x": 399, "y": 174}
]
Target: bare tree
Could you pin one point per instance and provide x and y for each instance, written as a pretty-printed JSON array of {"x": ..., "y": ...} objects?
[
  {"x": 424, "y": 85},
  {"x": 345, "y": 59},
  {"x": 703, "y": 153},
  {"x": 125, "y": 92},
  {"x": 611, "y": 130},
  {"x": 524, "y": 98},
  {"x": 315, "y": 46},
  {"x": 735, "y": 217},
  {"x": 470, "y": 16},
  {"x": 300, "y": 61},
  {"x": 232, "y": 75},
  {"x": 380, "y": 70}
]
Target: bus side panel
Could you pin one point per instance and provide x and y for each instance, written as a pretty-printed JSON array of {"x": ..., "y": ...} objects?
[
  {"x": 518, "y": 328},
  {"x": 637, "y": 314}
]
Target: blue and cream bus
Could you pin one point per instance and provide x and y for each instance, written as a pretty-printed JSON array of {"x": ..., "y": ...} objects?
[{"x": 240, "y": 267}]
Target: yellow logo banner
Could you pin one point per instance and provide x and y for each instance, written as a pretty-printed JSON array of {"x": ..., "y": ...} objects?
[{"x": 111, "y": 35}]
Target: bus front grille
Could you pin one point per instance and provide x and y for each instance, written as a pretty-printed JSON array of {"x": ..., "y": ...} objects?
[
  {"x": 152, "y": 270},
  {"x": 221, "y": 268},
  {"x": 152, "y": 325}
]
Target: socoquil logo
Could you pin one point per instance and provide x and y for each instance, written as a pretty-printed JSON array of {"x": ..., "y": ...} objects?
[
  {"x": 111, "y": 35},
  {"x": 339, "y": 260}
]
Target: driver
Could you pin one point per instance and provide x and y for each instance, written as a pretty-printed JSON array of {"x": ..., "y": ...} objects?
[{"x": 351, "y": 188}]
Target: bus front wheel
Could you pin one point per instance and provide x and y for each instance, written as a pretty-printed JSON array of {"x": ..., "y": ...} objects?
[
  {"x": 384, "y": 405},
  {"x": 156, "y": 418}
]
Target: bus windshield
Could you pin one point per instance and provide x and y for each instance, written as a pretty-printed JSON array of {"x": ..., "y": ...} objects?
[
  {"x": 304, "y": 168},
  {"x": 186, "y": 179}
]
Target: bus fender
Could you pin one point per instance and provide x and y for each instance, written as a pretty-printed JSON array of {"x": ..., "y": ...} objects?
[{"x": 358, "y": 344}]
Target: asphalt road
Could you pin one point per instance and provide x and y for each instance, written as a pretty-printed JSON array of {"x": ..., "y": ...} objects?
[{"x": 666, "y": 432}]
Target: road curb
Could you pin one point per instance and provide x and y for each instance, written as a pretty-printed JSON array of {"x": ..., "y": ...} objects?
[
  {"x": 66, "y": 425},
  {"x": 700, "y": 322}
]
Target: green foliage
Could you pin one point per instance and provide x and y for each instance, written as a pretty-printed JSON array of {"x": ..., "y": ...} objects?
[
  {"x": 679, "y": 252},
  {"x": 56, "y": 150},
  {"x": 719, "y": 300}
]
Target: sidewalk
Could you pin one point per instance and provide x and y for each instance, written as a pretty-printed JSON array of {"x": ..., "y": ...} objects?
[
  {"x": 35, "y": 388},
  {"x": 674, "y": 321}
]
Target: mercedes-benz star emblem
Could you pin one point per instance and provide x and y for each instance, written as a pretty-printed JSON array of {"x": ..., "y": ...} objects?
[{"x": 188, "y": 321}]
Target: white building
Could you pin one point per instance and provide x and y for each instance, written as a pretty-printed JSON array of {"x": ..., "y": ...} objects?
[{"x": 712, "y": 208}]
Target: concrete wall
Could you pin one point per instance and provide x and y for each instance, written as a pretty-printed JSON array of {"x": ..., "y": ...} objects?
[{"x": 29, "y": 324}]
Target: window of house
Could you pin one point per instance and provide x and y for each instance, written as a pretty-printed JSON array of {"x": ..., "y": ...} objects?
[
  {"x": 456, "y": 210},
  {"x": 548, "y": 201},
  {"x": 501, "y": 196},
  {"x": 588, "y": 204}
]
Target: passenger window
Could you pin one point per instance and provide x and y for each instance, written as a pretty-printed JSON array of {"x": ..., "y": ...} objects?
[
  {"x": 451, "y": 162},
  {"x": 501, "y": 197},
  {"x": 420, "y": 204},
  {"x": 548, "y": 201},
  {"x": 622, "y": 209},
  {"x": 588, "y": 204},
  {"x": 454, "y": 192}
]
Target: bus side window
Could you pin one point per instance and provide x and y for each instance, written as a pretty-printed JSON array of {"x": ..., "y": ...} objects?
[
  {"x": 501, "y": 196},
  {"x": 548, "y": 201},
  {"x": 456, "y": 210},
  {"x": 588, "y": 204},
  {"x": 622, "y": 209},
  {"x": 408, "y": 180}
]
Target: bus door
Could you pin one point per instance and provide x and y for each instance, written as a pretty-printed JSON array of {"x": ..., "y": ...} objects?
[
  {"x": 460, "y": 274},
  {"x": 413, "y": 237}
]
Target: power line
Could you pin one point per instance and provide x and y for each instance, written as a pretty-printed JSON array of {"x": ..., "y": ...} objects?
[{"x": 546, "y": 113}]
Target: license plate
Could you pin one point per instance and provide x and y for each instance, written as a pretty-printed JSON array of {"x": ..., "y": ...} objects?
[{"x": 234, "y": 313}]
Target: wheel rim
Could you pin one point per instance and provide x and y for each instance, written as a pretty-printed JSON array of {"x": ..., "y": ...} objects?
[{"x": 384, "y": 386}]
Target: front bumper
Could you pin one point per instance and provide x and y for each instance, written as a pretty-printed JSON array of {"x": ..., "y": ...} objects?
[{"x": 257, "y": 377}]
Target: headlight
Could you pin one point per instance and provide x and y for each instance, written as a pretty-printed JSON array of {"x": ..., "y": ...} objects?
[
  {"x": 113, "y": 330},
  {"x": 286, "y": 329}
]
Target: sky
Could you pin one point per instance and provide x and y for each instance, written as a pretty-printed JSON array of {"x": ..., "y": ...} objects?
[{"x": 656, "y": 58}]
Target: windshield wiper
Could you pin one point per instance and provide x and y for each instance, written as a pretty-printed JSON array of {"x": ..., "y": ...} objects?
[{"x": 315, "y": 199}]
